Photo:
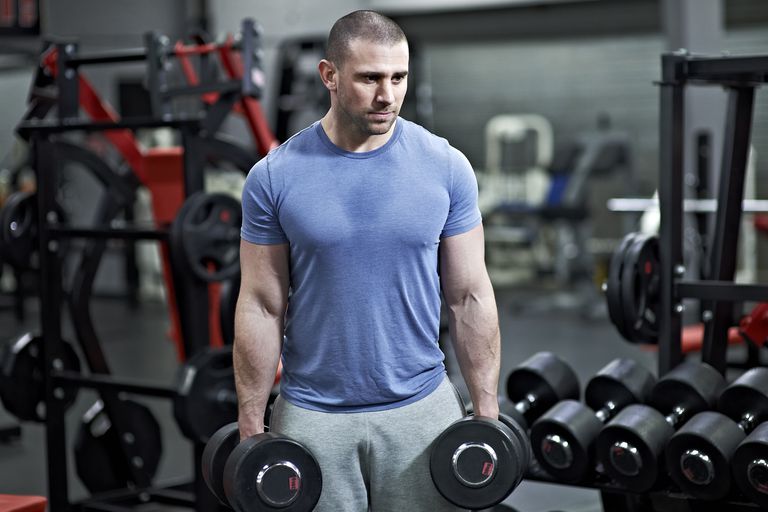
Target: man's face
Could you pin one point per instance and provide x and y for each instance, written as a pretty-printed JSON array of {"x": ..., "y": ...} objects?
[{"x": 371, "y": 85}]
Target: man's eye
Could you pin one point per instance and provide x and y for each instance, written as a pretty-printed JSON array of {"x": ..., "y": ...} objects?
[{"x": 397, "y": 79}]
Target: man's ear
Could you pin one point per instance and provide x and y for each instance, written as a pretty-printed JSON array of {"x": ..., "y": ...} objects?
[{"x": 328, "y": 74}]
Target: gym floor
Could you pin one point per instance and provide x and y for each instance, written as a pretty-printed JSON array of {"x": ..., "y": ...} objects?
[{"x": 137, "y": 347}]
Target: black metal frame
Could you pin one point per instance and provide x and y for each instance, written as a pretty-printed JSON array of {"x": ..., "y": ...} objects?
[
  {"x": 740, "y": 76},
  {"x": 51, "y": 233},
  {"x": 44, "y": 137},
  {"x": 47, "y": 149}
]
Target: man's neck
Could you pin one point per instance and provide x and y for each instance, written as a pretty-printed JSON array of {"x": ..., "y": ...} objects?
[{"x": 353, "y": 140}]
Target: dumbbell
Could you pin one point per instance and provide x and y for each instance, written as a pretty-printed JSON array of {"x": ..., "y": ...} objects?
[
  {"x": 537, "y": 384},
  {"x": 563, "y": 438},
  {"x": 263, "y": 472},
  {"x": 629, "y": 447},
  {"x": 750, "y": 465},
  {"x": 699, "y": 455},
  {"x": 477, "y": 462}
]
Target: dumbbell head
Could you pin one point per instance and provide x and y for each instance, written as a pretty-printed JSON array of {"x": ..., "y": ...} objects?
[
  {"x": 698, "y": 456},
  {"x": 563, "y": 438},
  {"x": 630, "y": 445},
  {"x": 541, "y": 381},
  {"x": 750, "y": 465},
  {"x": 215, "y": 453},
  {"x": 747, "y": 395},
  {"x": 477, "y": 462},
  {"x": 691, "y": 386},
  {"x": 263, "y": 472}
]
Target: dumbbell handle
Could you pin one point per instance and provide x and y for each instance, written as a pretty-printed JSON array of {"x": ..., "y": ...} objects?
[
  {"x": 525, "y": 405},
  {"x": 676, "y": 416},
  {"x": 606, "y": 411},
  {"x": 748, "y": 422}
]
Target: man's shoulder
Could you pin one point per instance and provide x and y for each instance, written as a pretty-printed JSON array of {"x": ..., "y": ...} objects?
[
  {"x": 428, "y": 141},
  {"x": 295, "y": 146}
]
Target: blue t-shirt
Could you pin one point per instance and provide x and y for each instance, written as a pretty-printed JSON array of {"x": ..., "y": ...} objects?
[{"x": 363, "y": 315}]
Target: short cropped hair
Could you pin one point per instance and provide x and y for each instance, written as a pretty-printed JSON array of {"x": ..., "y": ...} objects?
[{"x": 366, "y": 25}]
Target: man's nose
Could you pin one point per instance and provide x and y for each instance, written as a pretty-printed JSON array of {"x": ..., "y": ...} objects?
[{"x": 385, "y": 93}]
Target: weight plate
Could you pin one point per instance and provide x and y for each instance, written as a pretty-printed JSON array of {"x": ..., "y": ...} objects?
[
  {"x": 495, "y": 463},
  {"x": 640, "y": 276},
  {"x": 206, "y": 399},
  {"x": 215, "y": 455},
  {"x": 99, "y": 459},
  {"x": 613, "y": 285},
  {"x": 269, "y": 472},
  {"x": 22, "y": 377},
  {"x": 18, "y": 239},
  {"x": 205, "y": 236}
]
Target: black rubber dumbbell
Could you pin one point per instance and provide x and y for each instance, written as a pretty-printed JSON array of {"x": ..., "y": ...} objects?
[
  {"x": 750, "y": 465},
  {"x": 261, "y": 473},
  {"x": 537, "y": 384},
  {"x": 699, "y": 455},
  {"x": 563, "y": 438},
  {"x": 629, "y": 447},
  {"x": 477, "y": 461}
]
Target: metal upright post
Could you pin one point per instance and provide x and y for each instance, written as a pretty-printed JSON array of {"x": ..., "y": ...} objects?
[
  {"x": 671, "y": 129},
  {"x": 725, "y": 242},
  {"x": 43, "y": 151}
]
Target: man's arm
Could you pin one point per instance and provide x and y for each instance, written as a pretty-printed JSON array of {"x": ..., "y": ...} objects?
[
  {"x": 473, "y": 318},
  {"x": 259, "y": 321}
]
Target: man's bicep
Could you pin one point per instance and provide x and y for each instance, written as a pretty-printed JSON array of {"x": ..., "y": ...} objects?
[
  {"x": 264, "y": 275},
  {"x": 462, "y": 263}
]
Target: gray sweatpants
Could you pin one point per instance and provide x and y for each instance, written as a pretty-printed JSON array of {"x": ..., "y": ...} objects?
[{"x": 376, "y": 461}]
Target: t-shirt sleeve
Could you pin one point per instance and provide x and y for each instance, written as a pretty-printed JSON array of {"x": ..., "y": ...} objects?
[
  {"x": 260, "y": 221},
  {"x": 463, "y": 213}
]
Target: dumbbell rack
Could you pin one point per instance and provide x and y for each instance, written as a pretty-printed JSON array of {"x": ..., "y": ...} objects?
[
  {"x": 740, "y": 76},
  {"x": 43, "y": 136}
]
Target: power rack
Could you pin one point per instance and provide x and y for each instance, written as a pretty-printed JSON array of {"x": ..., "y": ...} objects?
[{"x": 60, "y": 70}]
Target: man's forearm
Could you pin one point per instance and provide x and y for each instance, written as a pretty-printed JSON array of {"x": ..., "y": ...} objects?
[
  {"x": 474, "y": 326},
  {"x": 256, "y": 353}
]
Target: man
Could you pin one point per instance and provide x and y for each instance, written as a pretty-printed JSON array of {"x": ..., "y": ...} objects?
[{"x": 341, "y": 276}]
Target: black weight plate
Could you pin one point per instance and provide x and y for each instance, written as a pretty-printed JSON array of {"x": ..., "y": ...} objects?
[
  {"x": 22, "y": 384},
  {"x": 205, "y": 399},
  {"x": 512, "y": 461},
  {"x": 613, "y": 285},
  {"x": 640, "y": 276},
  {"x": 99, "y": 459},
  {"x": 252, "y": 456},
  {"x": 205, "y": 236},
  {"x": 18, "y": 222},
  {"x": 215, "y": 455}
]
